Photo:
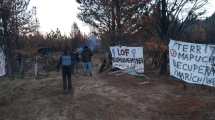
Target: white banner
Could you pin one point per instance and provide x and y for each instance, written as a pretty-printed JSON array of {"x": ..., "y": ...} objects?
[
  {"x": 192, "y": 63},
  {"x": 2, "y": 63},
  {"x": 128, "y": 57}
]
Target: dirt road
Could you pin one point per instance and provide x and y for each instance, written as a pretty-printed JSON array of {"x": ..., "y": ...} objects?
[{"x": 104, "y": 97}]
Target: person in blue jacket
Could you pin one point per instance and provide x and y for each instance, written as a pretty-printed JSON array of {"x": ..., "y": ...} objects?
[
  {"x": 66, "y": 62},
  {"x": 86, "y": 56}
]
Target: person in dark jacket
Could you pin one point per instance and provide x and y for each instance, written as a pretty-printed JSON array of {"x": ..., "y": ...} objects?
[
  {"x": 66, "y": 63},
  {"x": 86, "y": 56},
  {"x": 164, "y": 62},
  {"x": 76, "y": 66}
]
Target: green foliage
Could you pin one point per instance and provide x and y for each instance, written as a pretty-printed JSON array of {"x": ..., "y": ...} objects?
[
  {"x": 56, "y": 35},
  {"x": 122, "y": 16},
  {"x": 163, "y": 18},
  {"x": 18, "y": 15}
]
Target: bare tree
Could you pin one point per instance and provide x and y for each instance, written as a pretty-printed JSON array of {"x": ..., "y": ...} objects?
[
  {"x": 117, "y": 17},
  {"x": 173, "y": 16},
  {"x": 16, "y": 17},
  {"x": 33, "y": 24}
]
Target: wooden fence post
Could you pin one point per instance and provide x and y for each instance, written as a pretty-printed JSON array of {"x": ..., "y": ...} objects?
[{"x": 36, "y": 68}]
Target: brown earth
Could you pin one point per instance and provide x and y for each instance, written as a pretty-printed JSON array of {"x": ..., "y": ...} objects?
[{"x": 105, "y": 97}]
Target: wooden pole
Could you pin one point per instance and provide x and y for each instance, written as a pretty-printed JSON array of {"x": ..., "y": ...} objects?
[{"x": 36, "y": 68}]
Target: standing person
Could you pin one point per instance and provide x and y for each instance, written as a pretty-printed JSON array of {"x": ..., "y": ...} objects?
[
  {"x": 86, "y": 56},
  {"x": 77, "y": 66},
  {"x": 66, "y": 62},
  {"x": 164, "y": 62}
]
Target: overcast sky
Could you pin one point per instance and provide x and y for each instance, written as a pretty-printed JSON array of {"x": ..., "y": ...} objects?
[{"x": 61, "y": 14}]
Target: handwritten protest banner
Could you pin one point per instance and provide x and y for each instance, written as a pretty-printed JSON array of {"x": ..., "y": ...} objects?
[
  {"x": 192, "y": 63},
  {"x": 128, "y": 57},
  {"x": 2, "y": 63}
]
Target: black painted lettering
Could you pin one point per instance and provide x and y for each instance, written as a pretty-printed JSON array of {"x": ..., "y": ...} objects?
[
  {"x": 185, "y": 48},
  {"x": 201, "y": 70},
  {"x": 126, "y": 52},
  {"x": 197, "y": 58},
  {"x": 181, "y": 75},
  {"x": 183, "y": 56},
  {"x": 190, "y": 67},
  {"x": 118, "y": 52},
  {"x": 185, "y": 67},
  {"x": 179, "y": 65},
  {"x": 186, "y": 76},
  {"x": 209, "y": 71},
  {"x": 195, "y": 67},
  {"x": 199, "y": 80},
  {"x": 198, "y": 49},
  {"x": 179, "y": 45},
  {"x": 191, "y": 57},
  {"x": 192, "y": 49}
]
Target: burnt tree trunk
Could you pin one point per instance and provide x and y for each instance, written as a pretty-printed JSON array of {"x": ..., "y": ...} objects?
[
  {"x": 113, "y": 24},
  {"x": 8, "y": 47},
  {"x": 118, "y": 20},
  {"x": 164, "y": 24}
]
